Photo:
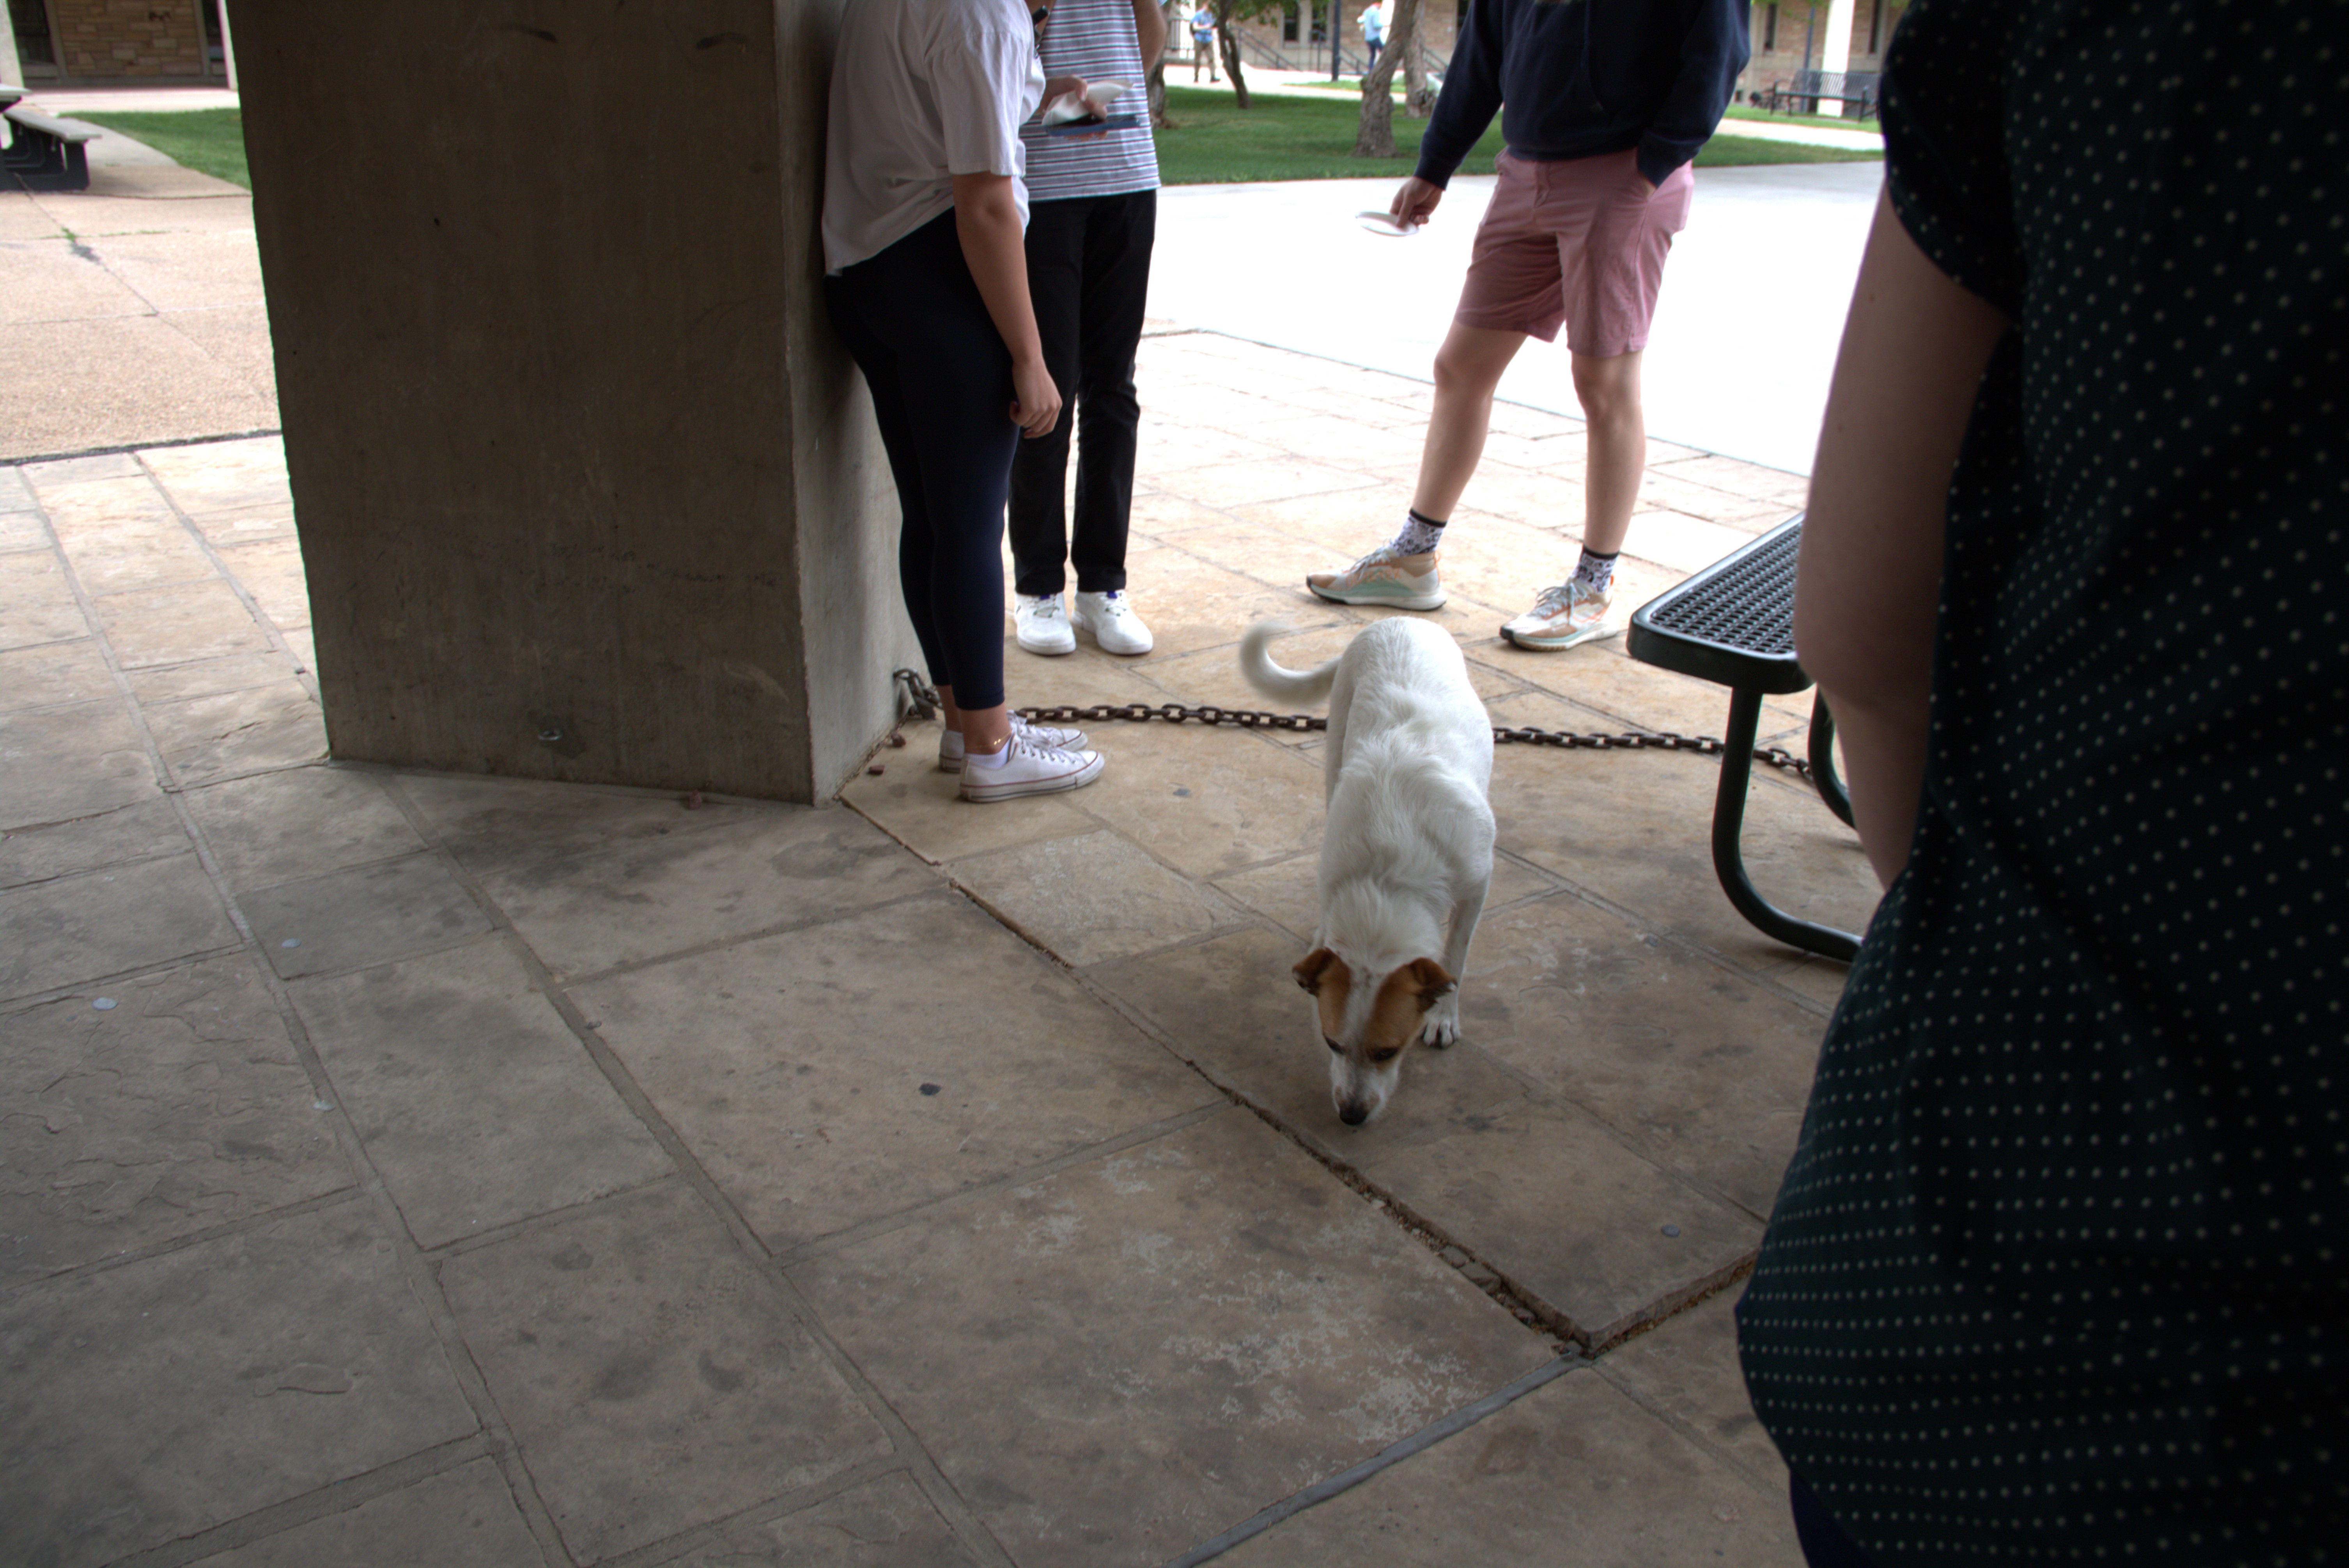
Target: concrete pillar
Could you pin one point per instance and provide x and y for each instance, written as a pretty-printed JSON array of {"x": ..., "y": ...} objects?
[
  {"x": 228, "y": 47},
  {"x": 1835, "y": 54},
  {"x": 587, "y": 488}
]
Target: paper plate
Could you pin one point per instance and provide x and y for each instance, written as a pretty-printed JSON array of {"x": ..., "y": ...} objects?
[
  {"x": 1097, "y": 98},
  {"x": 1385, "y": 223}
]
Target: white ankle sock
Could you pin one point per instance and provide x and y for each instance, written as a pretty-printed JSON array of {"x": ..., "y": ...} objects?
[{"x": 986, "y": 760}]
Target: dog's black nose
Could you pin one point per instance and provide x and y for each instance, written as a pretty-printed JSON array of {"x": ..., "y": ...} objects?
[{"x": 1353, "y": 1114}]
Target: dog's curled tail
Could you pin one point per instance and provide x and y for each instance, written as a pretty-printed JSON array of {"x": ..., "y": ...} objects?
[{"x": 1282, "y": 685}]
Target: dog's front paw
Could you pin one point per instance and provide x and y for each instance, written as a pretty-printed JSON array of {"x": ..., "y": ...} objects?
[{"x": 1442, "y": 1027}]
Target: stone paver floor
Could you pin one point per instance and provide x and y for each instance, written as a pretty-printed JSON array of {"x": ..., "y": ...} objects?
[{"x": 405, "y": 1168}]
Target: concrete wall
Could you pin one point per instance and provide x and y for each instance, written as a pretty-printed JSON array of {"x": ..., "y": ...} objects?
[{"x": 587, "y": 488}]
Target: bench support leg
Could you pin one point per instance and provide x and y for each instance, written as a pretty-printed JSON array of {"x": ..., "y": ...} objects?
[
  {"x": 1728, "y": 856},
  {"x": 1822, "y": 768}
]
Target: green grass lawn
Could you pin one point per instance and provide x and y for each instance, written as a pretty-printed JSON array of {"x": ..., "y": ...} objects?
[
  {"x": 1299, "y": 137},
  {"x": 211, "y": 140},
  {"x": 1278, "y": 138},
  {"x": 1822, "y": 121}
]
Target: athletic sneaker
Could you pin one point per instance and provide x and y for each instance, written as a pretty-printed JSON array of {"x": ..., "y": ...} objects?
[
  {"x": 1111, "y": 619},
  {"x": 950, "y": 743},
  {"x": 1030, "y": 769},
  {"x": 1042, "y": 626},
  {"x": 1386, "y": 577},
  {"x": 1573, "y": 612}
]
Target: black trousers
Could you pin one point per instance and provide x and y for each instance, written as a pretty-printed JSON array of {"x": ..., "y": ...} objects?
[
  {"x": 1089, "y": 274},
  {"x": 913, "y": 320}
]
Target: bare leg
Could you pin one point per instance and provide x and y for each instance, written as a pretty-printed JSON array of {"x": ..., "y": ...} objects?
[
  {"x": 1467, "y": 369},
  {"x": 1617, "y": 435},
  {"x": 985, "y": 730}
]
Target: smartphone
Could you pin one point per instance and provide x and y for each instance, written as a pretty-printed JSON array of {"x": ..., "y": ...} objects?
[{"x": 1088, "y": 127}]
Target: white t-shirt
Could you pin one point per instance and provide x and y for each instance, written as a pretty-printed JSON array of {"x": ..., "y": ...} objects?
[{"x": 922, "y": 90}]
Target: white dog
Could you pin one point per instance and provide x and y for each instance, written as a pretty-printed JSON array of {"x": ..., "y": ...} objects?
[{"x": 1406, "y": 850}]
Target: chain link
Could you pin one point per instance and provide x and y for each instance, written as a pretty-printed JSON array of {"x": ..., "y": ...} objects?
[{"x": 916, "y": 695}]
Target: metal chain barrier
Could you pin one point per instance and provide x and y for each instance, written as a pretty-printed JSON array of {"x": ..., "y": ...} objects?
[{"x": 917, "y": 698}]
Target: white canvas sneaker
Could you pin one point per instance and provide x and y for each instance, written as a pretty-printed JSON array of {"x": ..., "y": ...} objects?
[
  {"x": 950, "y": 747},
  {"x": 1042, "y": 626},
  {"x": 1030, "y": 769},
  {"x": 1111, "y": 619}
]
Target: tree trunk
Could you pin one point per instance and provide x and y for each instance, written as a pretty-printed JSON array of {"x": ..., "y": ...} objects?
[
  {"x": 1376, "y": 136},
  {"x": 1157, "y": 69},
  {"x": 1228, "y": 42},
  {"x": 1417, "y": 102}
]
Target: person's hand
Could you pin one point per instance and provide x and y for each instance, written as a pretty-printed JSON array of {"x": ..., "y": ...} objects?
[
  {"x": 1057, "y": 87},
  {"x": 1036, "y": 400},
  {"x": 1414, "y": 202}
]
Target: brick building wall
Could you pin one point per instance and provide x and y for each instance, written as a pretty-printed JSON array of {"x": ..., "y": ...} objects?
[
  {"x": 1292, "y": 36},
  {"x": 127, "y": 40},
  {"x": 1780, "y": 32}
]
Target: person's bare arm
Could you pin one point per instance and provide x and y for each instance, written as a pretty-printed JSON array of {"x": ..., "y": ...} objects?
[
  {"x": 986, "y": 221},
  {"x": 1914, "y": 347},
  {"x": 1150, "y": 32}
]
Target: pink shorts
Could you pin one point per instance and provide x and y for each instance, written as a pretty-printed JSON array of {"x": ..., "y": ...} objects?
[{"x": 1581, "y": 242}]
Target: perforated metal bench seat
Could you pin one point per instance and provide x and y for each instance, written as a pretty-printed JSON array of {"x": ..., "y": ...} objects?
[{"x": 1734, "y": 624}]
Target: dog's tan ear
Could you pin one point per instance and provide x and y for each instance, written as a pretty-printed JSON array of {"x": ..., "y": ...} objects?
[
  {"x": 1312, "y": 966},
  {"x": 1428, "y": 980}
]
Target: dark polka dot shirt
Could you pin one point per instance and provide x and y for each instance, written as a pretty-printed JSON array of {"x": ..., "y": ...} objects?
[{"x": 2060, "y": 1271}]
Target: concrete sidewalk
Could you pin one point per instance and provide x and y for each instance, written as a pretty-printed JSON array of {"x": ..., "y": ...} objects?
[
  {"x": 132, "y": 313},
  {"x": 1745, "y": 331},
  {"x": 411, "y": 1168}
]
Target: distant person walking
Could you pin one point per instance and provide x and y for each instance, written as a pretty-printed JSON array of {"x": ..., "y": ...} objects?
[
  {"x": 1203, "y": 43},
  {"x": 927, "y": 286},
  {"x": 1604, "y": 104},
  {"x": 1373, "y": 22},
  {"x": 1093, "y": 219}
]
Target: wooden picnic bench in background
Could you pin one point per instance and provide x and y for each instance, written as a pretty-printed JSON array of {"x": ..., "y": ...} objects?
[{"x": 43, "y": 154}]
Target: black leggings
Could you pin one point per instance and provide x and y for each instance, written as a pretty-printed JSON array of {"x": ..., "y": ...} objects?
[{"x": 941, "y": 381}]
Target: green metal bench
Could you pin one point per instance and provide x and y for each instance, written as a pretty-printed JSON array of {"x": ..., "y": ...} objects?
[{"x": 1734, "y": 624}]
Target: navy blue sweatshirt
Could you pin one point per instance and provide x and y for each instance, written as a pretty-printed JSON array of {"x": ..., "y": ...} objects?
[{"x": 1574, "y": 78}]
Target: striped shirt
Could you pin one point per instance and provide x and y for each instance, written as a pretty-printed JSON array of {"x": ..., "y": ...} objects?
[{"x": 1093, "y": 39}]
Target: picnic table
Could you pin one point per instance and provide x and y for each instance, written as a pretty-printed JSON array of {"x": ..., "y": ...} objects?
[
  {"x": 43, "y": 153},
  {"x": 1734, "y": 624}
]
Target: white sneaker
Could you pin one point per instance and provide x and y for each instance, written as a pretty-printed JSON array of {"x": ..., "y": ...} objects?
[
  {"x": 1570, "y": 614},
  {"x": 1111, "y": 619},
  {"x": 1385, "y": 576},
  {"x": 1042, "y": 626},
  {"x": 950, "y": 743},
  {"x": 1030, "y": 769}
]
